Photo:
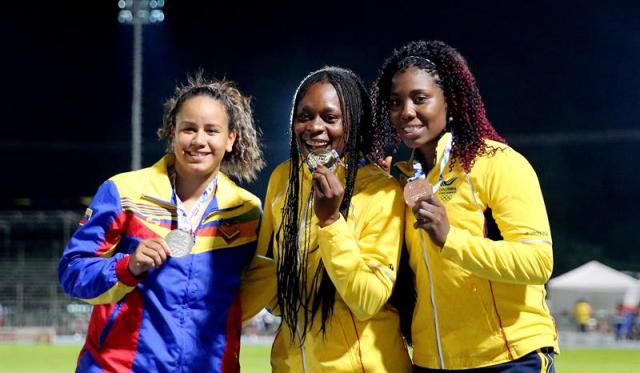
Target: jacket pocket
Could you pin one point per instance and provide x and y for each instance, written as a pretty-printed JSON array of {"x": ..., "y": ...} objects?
[
  {"x": 350, "y": 345},
  {"x": 109, "y": 324},
  {"x": 482, "y": 292}
]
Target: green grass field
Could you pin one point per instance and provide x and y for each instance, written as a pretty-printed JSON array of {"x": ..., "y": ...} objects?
[{"x": 255, "y": 359}]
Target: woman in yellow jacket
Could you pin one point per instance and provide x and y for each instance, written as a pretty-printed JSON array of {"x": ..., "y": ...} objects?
[
  {"x": 480, "y": 244},
  {"x": 335, "y": 236}
]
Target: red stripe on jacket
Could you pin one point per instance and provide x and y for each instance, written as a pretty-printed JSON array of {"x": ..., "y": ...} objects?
[
  {"x": 231, "y": 356},
  {"x": 125, "y": 327},
  {"x": 134, "y": 227}
]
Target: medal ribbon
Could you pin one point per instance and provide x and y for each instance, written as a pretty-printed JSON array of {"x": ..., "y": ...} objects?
[
  {"x": 418, "y": 172},
  {"x": 185, "y": 221}
]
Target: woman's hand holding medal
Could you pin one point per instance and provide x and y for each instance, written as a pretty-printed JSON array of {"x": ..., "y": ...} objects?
[
  {"x": 151, "y": 253},
  {"x": 327, "y": 189},
  {"x": 327, "y": 195},
  {"x": 429, "y": 212}
]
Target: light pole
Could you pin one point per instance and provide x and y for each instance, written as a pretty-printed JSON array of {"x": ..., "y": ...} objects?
[{"x": 138, "y": 13}]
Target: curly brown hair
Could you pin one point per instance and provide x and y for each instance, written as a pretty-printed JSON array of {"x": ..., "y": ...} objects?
[
  {"x": 469, "y": 122},
  {"x": 245, "y": 159}
]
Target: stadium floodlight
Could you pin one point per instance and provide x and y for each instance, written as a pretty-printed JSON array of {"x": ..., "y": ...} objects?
[{"x": 138, "y": 13}]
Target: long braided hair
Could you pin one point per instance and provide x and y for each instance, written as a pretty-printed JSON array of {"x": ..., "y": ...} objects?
[
  {"x": 298, "y": 294},
  {"x": 465, "y": 107}
]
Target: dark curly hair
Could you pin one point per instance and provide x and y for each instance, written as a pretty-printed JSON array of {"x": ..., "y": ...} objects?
[
  {"x": 467, "y": 118},
  {"x": 245, "y": 159},
  {"x": 361, "y": 139}
]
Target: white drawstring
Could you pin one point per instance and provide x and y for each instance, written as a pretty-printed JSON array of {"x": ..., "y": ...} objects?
[{"x": 433, "y": 299}]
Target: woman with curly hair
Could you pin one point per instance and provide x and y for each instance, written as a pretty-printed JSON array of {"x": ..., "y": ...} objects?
[
  {"x": 160, "y": 250},
  {"x": 476, "y": 227},
  {"x": 336, "y": 234}
]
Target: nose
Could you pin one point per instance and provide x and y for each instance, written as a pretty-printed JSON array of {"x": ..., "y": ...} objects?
[
  {"x": 199, "y": 138},
  {"x": 315, "y": 126},
  {"x": 408, "y": 111}
]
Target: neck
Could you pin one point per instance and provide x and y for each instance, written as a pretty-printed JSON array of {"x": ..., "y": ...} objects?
[
  {"x": 427, "y": 156},
  {"x": 190, "y": 187},
  {"x": 428, "y": 153}
]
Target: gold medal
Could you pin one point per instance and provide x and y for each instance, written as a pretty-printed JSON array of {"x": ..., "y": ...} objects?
[{"x": 415, "y": 190}]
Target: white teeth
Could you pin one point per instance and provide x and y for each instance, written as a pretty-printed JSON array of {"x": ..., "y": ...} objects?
[
  {"x": 411, "y": 129},
  {"x": 194, "y": 154},
  {"x": 316, "y": 142}
]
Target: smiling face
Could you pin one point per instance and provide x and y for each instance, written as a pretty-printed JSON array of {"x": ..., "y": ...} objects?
[
  {"x": 201, "y": 137},
  {"x": 417, "y": 108},
  {"x": 317, "y": 123}
]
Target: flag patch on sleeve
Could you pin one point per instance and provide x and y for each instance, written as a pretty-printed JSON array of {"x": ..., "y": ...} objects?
[{"x": 87, "y": 215}]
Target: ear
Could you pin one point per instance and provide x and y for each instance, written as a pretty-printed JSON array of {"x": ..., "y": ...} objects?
[
  {"x": 447, "y": 118},
  {"x": 172, "y": 139},
  {"x": 231, "y": 141}
]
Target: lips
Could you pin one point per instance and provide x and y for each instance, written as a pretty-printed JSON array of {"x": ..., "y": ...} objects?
[
  {"x": 411, "y": 131},
  {"x": 316, "y": 145},
  {"x": 195, "y": 155}
]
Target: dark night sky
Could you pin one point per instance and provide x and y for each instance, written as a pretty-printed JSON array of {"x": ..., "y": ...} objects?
[{"x": 549, "y": 72}]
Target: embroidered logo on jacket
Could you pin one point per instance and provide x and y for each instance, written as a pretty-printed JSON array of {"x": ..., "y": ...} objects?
[
  {"x": 447, "y": 189},
  {"x": 229, "y": 230}
]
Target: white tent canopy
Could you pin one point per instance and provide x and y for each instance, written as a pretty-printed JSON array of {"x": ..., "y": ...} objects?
[
  {"x": 632, "y": 296},
  {"x": 603, "y": 287}
]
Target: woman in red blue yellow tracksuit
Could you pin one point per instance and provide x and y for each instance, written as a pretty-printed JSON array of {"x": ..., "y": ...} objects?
[
  {"x": 480, "y": 244},
  {"x": 157, "y": 309}
]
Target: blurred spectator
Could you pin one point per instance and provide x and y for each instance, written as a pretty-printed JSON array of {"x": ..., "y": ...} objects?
[
  {"x": 582, "y": 314},
  {"x": 261, "y": 325},
  {"x": 618, "y": 321},
  {"x": 626, "y": 322},
  {"x": 635, "y": 329}
]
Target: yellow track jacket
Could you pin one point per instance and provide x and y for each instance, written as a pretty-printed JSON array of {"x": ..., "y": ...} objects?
[
  {"x": 481, "y": 301},
  {"x": 361, "y": 256}
]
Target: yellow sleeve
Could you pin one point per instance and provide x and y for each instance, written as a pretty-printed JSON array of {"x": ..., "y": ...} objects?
[
  {"x": 363, "y": 268},
  {"x": 259, "y": 282},
  {"x": 524, "y": 255},
  {"x": 258, "y": 287}
]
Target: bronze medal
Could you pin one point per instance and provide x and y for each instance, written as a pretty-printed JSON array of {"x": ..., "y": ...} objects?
[
  {"x": 180, "y": 242},
  {"x": 324, "y": 158},
  {"x": 416, "y": 189}
]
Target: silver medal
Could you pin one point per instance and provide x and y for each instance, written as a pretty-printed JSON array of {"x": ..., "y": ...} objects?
[
  {"x": 180, "y": 242},
  {"x": 326, "y": 158}
]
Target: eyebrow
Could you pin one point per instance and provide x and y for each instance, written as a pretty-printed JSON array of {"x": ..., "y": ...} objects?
[
  {"x": 412, "y": 92},
  {"x": 184, "y": 121},
  {"x": 324, "y": 109}
]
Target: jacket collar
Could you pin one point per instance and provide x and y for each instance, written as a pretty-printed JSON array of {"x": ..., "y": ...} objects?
[
  {"x": 156, "y": 184},
  {"x": 227, "y": 193}
]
